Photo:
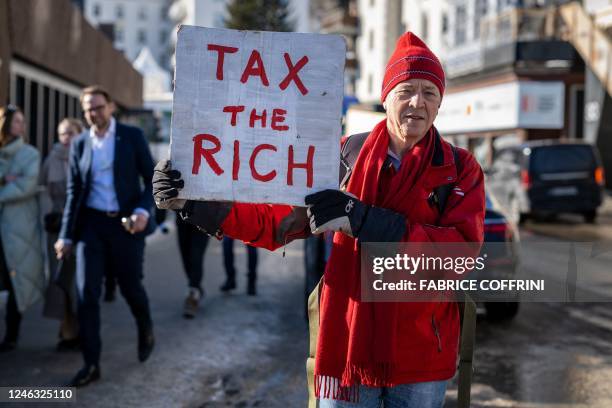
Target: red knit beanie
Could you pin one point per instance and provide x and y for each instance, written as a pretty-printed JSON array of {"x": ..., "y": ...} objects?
[{"x": 412, "y": 59}]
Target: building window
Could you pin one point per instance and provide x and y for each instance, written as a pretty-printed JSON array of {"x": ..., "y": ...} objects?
[
  {"x": 444, "y": 23},
  {"x": 371, "y": 40},
  {"x": 119, "y": 35},
  {"x": 142, "y": 37},
  {"x": 48, "y": 135},
  {"x": 424, "y": 26},
  {"x": 96, "y": 11},
  {"x": 480, "y": 11},
  {"x": 142, "y": 14},
  {"x": 372, "y": 3},
  {"x": 20, "y": 94},
  {"x": 505, "y": 4},
  {"x": 460, "y": 16},
  {"x": 119, "y": 11},
  {"x": 32, "y": 129}
]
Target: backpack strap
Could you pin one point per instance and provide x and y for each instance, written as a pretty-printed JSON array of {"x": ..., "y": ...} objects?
[
  {"x": 441, "y": 193},
  {"x": 348, "y": 156},
  {"x": 313, "y": 329},
  {"x": 467, "y": 313}
]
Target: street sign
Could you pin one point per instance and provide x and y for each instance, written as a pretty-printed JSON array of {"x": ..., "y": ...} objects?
[{"x": 256, "y": 115}]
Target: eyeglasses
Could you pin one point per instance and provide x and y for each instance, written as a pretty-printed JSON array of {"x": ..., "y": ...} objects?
[{"x": 94, "y": 109}]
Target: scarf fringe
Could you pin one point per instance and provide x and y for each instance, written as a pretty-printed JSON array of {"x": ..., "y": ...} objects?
[
  {"x": 347, "y": 388},
  {"x": 372, "y": 375},
  {"x": 330, "y": 388}
]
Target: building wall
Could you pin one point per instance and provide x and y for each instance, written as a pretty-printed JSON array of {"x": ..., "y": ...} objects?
[
  {"x": 371, "y": 48},
  {"x": 49, "y": 52},
  {"x": 137, "y": 23},
  {"x": 5, "y": 52}
]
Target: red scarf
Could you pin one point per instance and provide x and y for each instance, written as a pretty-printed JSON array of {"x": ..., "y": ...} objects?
[{"x": 358, "y": 341}]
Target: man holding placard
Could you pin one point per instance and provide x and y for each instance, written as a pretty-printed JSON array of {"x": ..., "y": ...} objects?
[{"x": 399, "y": 353}]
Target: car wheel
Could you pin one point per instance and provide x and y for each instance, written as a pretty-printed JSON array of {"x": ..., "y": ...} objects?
[
  {"x": 500, "y": 311},
  {"x": 590, "y": 216}
]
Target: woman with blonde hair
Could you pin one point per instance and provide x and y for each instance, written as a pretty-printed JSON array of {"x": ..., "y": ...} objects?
[
  {"x": 60, "y": 299},
  {"x": 21, "y": 256}
]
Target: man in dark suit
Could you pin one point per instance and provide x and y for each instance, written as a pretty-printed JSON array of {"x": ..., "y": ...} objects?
[{"x": 110, "y": 178}]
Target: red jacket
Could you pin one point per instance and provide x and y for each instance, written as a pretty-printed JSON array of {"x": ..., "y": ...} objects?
[{"x": 431, "y": 329}]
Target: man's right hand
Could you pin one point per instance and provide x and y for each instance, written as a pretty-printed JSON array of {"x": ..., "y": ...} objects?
[
  {"x": 63, "y": 249},
  {"x": 166, "y": 186}
]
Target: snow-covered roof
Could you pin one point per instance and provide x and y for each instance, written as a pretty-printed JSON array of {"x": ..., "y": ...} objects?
[{"x": 156, "y": 79}]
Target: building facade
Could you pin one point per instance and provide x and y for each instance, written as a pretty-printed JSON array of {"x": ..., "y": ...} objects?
[
  {"x": 44, "y": 66},
  {"x": 515, "y": 70},
  {"x": 133, "y": 25}
]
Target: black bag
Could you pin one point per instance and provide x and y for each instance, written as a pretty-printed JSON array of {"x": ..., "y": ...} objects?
[
  {"x": 64, "y": 274},
  {"x": 53, "y": 222}
]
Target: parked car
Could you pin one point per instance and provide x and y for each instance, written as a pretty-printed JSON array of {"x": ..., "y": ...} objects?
[
  {"x": 548, "y": 177},
  {"x": 501, "y": 244}
]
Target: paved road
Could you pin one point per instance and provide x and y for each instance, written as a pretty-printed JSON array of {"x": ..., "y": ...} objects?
[
  {"x": 240, "y": 351},
  {"x": 246, "y": 352}
]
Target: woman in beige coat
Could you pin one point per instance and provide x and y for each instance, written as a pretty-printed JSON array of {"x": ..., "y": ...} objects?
[
  {"x": 60, "y": 299},
  {"x": 21, "y": 254}
]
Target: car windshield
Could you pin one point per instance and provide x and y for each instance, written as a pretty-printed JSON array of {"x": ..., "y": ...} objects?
[{"x": 562, "y": 158}]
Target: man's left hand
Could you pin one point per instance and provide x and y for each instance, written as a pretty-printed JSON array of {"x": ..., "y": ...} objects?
[
  {"x": 139, "y": 222},
  {"x": 334, "y": 210}
]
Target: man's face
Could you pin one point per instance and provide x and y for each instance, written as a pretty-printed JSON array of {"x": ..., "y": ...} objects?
[
  {"x": 98, "y": 110},
  {"x": 411, "y": 109}
]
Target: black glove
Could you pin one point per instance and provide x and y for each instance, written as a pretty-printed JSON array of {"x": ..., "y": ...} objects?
[
  {"x": 166, "y": 186},
  {"x": 334, "y": 210}
]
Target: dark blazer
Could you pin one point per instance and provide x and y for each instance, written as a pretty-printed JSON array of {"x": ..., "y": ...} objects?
[{"x": 133, "y": 172}]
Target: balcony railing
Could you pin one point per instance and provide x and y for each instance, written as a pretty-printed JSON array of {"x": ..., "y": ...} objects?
[{"x": 520, "y": 25}]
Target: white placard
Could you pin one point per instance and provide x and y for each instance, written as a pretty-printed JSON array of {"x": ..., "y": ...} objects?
[{"x": 256, "y": 116}]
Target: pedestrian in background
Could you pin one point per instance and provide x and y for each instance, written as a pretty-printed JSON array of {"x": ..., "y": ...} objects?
[
  {"x": 21, "y": 253},
  {"x": 230, "y": 270},
  {"x": 192, "y": 244},
  {"x": 60, "y": 298},
  {"x": 109, "y": 179}
]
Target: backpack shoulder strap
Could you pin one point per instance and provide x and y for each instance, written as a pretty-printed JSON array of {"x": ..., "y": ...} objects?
[
  {"x": 467, "y": 313},
  {"x": 442, "y": 192},
  {"x": 313, "y": 328},
  {"x": 348, "y": 156}
]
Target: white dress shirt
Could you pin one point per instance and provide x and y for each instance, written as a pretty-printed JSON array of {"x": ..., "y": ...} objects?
[{"x": 102, "y": 195}]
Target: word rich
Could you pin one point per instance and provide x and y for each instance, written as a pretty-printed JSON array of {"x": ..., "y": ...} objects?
[{"x": 199, "y": 152}]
